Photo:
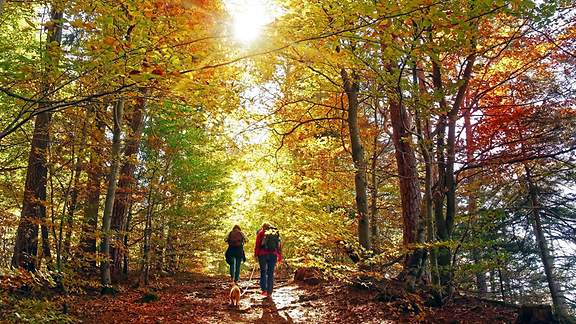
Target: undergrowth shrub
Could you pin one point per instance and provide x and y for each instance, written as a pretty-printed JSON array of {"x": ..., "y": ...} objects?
[
  {"x": 20, "y": 280},
  {"x": 33, "y": 310}
]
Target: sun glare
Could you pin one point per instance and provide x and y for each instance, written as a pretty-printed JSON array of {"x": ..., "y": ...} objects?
[{"x": 248, "y": 18}]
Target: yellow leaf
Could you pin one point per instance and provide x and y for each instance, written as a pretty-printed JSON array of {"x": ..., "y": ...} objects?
[{"x": 77, "y": 23}]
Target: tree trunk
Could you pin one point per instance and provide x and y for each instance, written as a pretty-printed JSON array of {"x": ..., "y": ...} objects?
[
  {"x": 158, "y": 249},
  {"x": 374, "y": 183},
  {"x": 171, "y": 244},
  {"x": 59, "y": 237},
  {"x": 145, "y": 264},
  {"x": 446, "y": 184},
  {"x": 427, "y": 205},
  {"x": 351, "y": 87},
  {"x": 425, "y": 144},
  {"x": 145, "y": 269},
  {"x": 94, "y": 172},
  {"x": 46, "y": 254},
  {"x": 126, "y": 184},
  {"x": 501, "y": 282},
  {"x": 111, "y": 192},
  {"x": 73, "y": 202},
  {"x": 125, "y": 256},
  {"x": 443, "y": 255},
  {"x": 545, "y": 255},
  {"x": 33, "y": 206},
  {"x": 413, "y": 225},
  {"x": 374, "y": 201},
  {"x": 493, "y": 289},
  {"x": 480, "y": 275}
]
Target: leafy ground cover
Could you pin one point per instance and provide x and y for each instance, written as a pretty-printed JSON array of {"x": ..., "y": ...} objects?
[{"x": 197, "y": 298}]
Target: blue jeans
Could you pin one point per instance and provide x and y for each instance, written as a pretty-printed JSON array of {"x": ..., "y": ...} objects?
[
  {"x": 267, "y": 265},
  {"x": 235, "y": 268}
]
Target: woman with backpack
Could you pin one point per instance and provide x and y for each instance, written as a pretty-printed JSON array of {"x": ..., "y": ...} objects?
[
  {"x": 267, "y": 251},
  {"x": 235, "y": 253}
]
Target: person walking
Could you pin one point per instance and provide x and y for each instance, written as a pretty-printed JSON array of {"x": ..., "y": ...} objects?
[
  {"x": 267, "y": 250},
  {"x": 235, "y": 253}
]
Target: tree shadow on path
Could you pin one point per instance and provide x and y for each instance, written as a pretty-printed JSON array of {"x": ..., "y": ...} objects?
[{"x": 270, "y": 313}]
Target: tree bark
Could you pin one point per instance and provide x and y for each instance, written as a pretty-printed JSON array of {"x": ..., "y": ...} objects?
[
  {"x": 125, "y": 256},
  {"x": 374, "y": 201},
  {"x": 33, "y": 208},
  {"x": 145, "y": 263},
  {"x": 126, "y": 184},
  {"x": 46, "y": 253},
  {"x": 413, "y": 225},
  {"x": 501, "y": 283},
  {"x": 451, "y": 145},
  {"x": 480, "y": 275},
  {"x": 374, "y": 232},
  {"x": 446, "y": 157},
  {"x": 171, "y": 245},
  {"x": 73, "y": 202},
  {"x": 158, "y": 249},
  {"x": 545, "y": 255},
  {"x": 94, "y": 172},
  {"x": 442, "y": 253},
  {"x": 34, "y": 204},
  {"x": 425, "y": 144},
  {"x": 352, "y": 87},
  {"x": 111, "y": 192}
]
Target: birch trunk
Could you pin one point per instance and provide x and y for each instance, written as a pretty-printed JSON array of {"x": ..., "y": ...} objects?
[{"x": 111, "y": 192}]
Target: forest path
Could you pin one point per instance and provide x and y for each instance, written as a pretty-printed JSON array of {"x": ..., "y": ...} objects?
[
  {"x": 199, "y": 298},
  {"x": 195, "y": 298},
  {"x": 210, "y": 294}
]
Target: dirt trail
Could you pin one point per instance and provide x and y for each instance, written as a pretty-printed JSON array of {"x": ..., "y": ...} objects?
[
  {"x": 190, "y": 298},
  {"x": 290, "y": 302},
  {"x": 195, "y": 298}
]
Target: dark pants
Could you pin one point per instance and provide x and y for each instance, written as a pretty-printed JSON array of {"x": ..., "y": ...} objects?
[
  {"x": 235, "y": 268},
  {"x": 234, "y": 257},
  {"x": 267, "y": 265}
]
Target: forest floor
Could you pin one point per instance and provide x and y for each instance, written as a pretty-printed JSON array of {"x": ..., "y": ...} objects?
[{"x": 197, "y": 298}]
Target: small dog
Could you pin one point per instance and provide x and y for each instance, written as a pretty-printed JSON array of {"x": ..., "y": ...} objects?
[{"x": 235, "y": 295}]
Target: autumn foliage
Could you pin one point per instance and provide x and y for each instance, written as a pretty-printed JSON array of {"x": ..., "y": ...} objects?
[{"x": 423, "y": 145}]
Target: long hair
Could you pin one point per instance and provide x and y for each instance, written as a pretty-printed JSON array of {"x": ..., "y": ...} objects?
[{"x": 236, "y": 227}]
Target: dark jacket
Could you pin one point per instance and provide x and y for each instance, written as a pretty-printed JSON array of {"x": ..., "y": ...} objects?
[{"x": 235, "y": 251}]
